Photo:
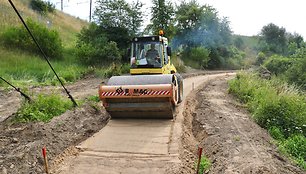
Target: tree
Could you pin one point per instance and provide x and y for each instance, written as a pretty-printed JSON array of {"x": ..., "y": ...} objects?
[
  {"x": 295, "y": 38},
  {"x": 200, "y": 26},
  {"x": 93, "y": 47},
  {"x": 188, "y": 15},
  {"x": 239, "y": 43},
  {"x": 119, "y": 21},
  {"x": 274, "y": 39},
  {"x": 136, "y": 16},
  {"x": 119, "y": 14},
  {"x": 162, "y": 18},
  {"x": 42, "y": 7}
]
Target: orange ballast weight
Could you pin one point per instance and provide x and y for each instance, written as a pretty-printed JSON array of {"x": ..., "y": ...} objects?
[
  {"x": 141, "y": 96},
  {"x": 136, "y": 91}
]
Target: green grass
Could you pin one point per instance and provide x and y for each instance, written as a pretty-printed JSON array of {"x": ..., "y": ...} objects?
[
  {"x": 43, "y": 108},
  {"x": 30, "y": 70},
  {"x": 94, "y": 98},
  {"x": 23, "y": 69},
  {"x": 68, "y": 26},
  {"x": 204, "y": 164},
  {"x": 278, "y": 107},
  {"x": 249, "y": 41}
]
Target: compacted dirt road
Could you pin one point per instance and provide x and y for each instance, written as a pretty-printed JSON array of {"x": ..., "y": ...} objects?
[{"x": 135, "y": 146}]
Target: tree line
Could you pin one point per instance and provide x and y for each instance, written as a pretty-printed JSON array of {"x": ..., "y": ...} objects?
[
  {"x": 196, "y": 31},
  {"x": 283, "y": 54}
]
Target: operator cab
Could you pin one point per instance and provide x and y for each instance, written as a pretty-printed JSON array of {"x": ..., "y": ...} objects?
[{"x": 148, "y": 52}]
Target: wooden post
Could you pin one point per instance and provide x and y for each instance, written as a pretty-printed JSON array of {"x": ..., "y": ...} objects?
[
  {"x": 199, "y": 159},
  {"x": 44, "y": 152}
]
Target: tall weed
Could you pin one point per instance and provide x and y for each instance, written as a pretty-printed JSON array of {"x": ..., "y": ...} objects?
[{"x": 43, "y": 108}]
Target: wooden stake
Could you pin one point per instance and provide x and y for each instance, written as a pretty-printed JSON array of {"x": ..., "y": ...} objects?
[
  {"x": 44, "y": 152},
  {"x": 199, "y": 159}
]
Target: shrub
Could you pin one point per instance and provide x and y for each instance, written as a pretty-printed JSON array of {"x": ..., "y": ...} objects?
[
  {"x": 93, "y": 47},
  {"x": 260, "y": 58},
  {"x": 197, "y": 57},
  {"x": 297, "y": 73},
  {"x": 235, "y": 60},
  {"x": 49, "y": 40},
  {"x": 278, "y": 65},
  {"x": 42, "y": 7},
  {"x": 43, "y": 108},
  {"x": 98, "y": 56},
  {"x": 216, "y": 60},
  {"x": 292, "y": 69},
  {"x": 301, "y": 52}
]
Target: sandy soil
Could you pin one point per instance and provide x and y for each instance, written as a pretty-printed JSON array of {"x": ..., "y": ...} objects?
[
  {"x": 9, "y": 103},
  {"x": 229, "y": 137}
]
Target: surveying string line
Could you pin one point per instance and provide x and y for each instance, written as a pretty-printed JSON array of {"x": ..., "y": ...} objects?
[
  {"x": 17, "y": 89},
  {"x": 43, "y": 53}
]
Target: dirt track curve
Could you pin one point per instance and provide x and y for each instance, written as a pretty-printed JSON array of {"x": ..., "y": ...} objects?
[{"x": 135, "y": 146}]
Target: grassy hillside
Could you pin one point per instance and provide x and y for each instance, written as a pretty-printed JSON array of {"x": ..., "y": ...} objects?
[
  {"x": 28, "y": 69},
  {"x": 249, "y": 41},
  {"x": 249, "y": 46},
  {"x": 65, "y": 24}
]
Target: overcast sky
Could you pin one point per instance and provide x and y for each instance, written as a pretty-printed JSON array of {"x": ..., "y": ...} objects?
[{"x": 246, "y": 17}]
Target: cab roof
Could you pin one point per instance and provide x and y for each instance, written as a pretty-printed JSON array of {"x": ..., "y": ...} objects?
[{"x": 149, "y": 39}]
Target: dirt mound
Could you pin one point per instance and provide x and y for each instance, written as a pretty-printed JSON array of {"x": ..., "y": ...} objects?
[
  {"x": 21, "y": 144},
  {"x": 229, "y": 137},
  {"x": 9, "y": 103}
]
